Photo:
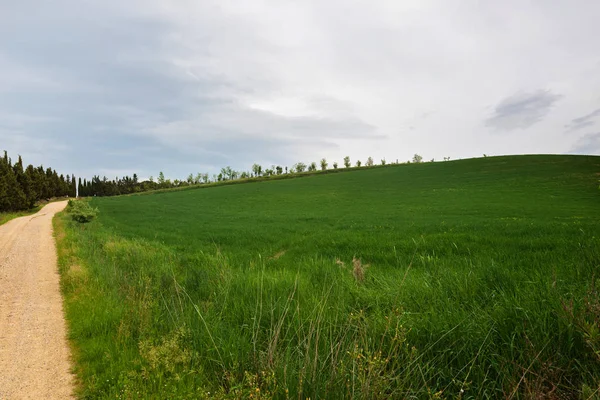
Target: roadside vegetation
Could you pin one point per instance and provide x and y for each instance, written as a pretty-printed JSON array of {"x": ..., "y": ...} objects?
[
  {"x": 81, "y": 211},
  {"x": 467, "y": 279}
]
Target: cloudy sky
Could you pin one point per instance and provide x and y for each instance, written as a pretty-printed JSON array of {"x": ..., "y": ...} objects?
[{"x": 113, "y": 87}]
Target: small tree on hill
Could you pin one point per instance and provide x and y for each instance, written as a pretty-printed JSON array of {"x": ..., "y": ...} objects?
[
  {"x": 347, "y": 162},
  {"x": 224, "y": 174},
  {"x": 300, "y": 167},
  {"x": 417, "y": 158},
  {"x": 370, "y": 162},
  {"x": 358, "y": 163},
  {"x": 312, "y": 167},
  {"x": 256, "y": 169},
  {"x": 323, "y": 164},
  {"x": 335, "y": 165}
]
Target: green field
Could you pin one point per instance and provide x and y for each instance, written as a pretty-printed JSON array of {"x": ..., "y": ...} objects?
[{"x": 471, "y": 279}]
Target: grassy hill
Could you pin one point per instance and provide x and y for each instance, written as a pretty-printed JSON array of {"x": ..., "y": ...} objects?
[{"x": 472, "y": 278}]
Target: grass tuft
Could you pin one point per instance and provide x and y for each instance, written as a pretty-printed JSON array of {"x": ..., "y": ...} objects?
[{"x": 358, "y": 270}]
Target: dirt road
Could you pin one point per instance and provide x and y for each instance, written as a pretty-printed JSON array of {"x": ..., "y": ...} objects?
[{"x": 34, "y": 356}]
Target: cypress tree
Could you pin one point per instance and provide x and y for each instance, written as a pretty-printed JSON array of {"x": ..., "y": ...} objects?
[
  {"x": 30, "y": 186},
  {"x": 73, "y": 189},
  {"x": 12, "y": 197},
  {"x": 22, "y": 189}
]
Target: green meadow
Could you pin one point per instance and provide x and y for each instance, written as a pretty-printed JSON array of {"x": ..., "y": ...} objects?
[{"x": 465, "y": 279}]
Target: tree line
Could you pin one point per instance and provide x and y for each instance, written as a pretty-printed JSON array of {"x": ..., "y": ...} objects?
[
  {"x": 98, "y": 186},
  {"x": 22, "y": 187}
]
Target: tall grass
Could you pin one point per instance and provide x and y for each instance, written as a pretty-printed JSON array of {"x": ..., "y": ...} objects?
[{"x": 366, "y": 300}]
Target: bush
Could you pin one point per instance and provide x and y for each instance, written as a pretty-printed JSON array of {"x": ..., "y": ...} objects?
[{"x": 81, "y": 211}]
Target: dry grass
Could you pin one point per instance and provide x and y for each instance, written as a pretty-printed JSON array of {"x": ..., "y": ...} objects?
[
  {"x": 278, "y": 255},
  {"x": 358, "y": 269}
]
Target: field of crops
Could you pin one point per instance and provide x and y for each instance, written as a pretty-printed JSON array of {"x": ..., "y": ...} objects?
[{"x": 472, "y": 279}]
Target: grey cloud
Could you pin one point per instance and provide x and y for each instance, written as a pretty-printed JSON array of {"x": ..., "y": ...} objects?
[
  {"x": 233, "y": 134},
  {"x": 182, "y": 86},
  {"x": 125, "y": 99},
  {"x": 587, "y": 144},
  {"x": 583, "y": 122},
  {"x": 522, "y": 110}
]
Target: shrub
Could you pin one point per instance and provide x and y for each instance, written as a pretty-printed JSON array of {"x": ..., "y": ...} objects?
[{"x": 81, "y": 211}]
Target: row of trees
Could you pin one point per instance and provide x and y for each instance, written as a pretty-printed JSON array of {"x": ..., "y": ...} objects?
[
  {"x": 22, "y": 187},
  {"x": 126, "y": 185},
  {"x": 104, "y": 187},
  {"x": 257, "y": 170}
]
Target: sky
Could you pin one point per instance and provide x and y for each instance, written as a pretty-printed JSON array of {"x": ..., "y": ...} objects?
[{"x": 113, "y": 87}]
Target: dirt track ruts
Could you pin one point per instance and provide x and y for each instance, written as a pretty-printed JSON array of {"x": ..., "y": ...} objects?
[{"x": 34, "y": 355}]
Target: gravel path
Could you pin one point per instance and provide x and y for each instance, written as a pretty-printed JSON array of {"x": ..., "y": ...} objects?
[{"x": 34, "y": 355}]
